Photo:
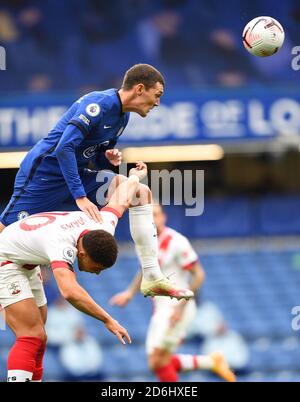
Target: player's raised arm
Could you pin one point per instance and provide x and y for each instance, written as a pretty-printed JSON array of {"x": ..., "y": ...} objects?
[
  {"x": 65, "y": 153},
  {"x": 82, "y": 301},
  {"x": 123, "y": 298}
]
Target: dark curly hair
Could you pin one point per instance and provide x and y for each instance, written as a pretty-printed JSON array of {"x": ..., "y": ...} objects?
[
  {"x": 142, "y": 74},
  {"x": 101, "y": 247}
]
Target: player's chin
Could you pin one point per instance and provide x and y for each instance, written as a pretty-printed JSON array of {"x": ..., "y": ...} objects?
[{"x": 144, "y": 113}]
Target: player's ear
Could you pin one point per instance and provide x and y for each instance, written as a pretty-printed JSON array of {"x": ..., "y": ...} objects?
[{"x": 140, "y": 88}]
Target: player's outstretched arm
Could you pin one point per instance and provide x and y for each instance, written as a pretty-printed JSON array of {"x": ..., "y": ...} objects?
[
  {"x": 82, "y": 301},
  {"x": 123, "y": 298}
]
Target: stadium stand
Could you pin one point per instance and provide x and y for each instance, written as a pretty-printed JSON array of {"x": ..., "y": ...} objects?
[{"x": 92, "y": 45}]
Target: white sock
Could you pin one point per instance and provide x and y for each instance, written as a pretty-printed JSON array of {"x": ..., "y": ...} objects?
[
  {"x": 191, "y": 363},
  {"x": 144, "y": 234},
  {"x": 19, "y": 376}
]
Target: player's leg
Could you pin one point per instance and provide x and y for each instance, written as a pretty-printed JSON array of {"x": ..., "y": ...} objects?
[
  {"x": 36, "y": 283},
  {"x": 124, "y": 193},
  {"x": 138, "y": 198},
  {"x": 25, "y": 320},
  {"x": 166, "y": 339},
  {"x": 144, "y": 234},
  {"x": 160, "y": 362},
  {"x": 23, "y": 316},
  {"x": 38, "y": 372},
  {"x": 159, "y": 345}
]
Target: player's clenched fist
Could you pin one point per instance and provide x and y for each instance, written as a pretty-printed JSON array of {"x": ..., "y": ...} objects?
[
  {"x": 114, "y": 156},
  {"x": 119, "y": 331}
]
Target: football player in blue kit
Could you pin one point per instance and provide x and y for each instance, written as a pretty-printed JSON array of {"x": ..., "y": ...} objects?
[{"x": 56, "y": 171}]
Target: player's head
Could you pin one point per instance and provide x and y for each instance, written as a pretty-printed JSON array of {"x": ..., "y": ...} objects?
[
  {"x": 97, "y": 250},
  {"x": 160, "y": 218},
  {"x": 146, "y": 85}
]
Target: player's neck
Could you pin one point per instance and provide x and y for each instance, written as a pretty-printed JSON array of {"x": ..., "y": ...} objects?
[
  {"x": 161, "y": 230},
  {"x": 127, "y": 100}
]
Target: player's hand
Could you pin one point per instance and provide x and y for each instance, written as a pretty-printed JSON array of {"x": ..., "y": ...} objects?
[
  {"x": 140, "y": 170},
  {"x": 121, "y": 299},
  {"x": 120, "y": 332},
  {"x": 114, "y": 156},
  {"x": 86, "y": 206}
]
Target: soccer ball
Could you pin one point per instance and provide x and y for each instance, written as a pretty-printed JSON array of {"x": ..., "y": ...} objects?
[{"x": 263, "y": 36}]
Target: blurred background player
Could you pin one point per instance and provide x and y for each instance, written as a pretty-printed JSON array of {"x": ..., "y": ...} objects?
[
  {"x": 55, "y": 169},
  {"x": 171, "y": 319}
]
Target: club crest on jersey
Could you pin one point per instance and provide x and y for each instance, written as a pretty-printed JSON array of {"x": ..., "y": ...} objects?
[
  {"x": 69, "y": 254},
  {"x": 14, "y": 288},
  {"x": 91, "y": 151},
  {"x": 22, "y": 215},
  {"x": 93, "y": 109}
]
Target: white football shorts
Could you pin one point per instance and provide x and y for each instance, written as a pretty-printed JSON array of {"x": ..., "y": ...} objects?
[
  {"x": 17, "y": 283},
  {"x": 161, "y": 335}
]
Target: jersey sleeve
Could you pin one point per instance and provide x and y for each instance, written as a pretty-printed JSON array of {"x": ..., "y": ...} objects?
[
  {"x": 110, "y": 219},
  {"x": 186, "y": 255},
  {"x": 61, "y": 254},
  {"x": 65, "y": 153},
  {"x": 88, "y": 115}
]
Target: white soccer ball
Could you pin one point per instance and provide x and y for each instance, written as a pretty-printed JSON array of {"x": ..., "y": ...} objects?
[{"x": 263, "y": 36}]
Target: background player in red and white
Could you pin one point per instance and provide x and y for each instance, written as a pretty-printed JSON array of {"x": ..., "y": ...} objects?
[
  {"x": 56, "y": 239},
  {"x": 171, "y": 318}
]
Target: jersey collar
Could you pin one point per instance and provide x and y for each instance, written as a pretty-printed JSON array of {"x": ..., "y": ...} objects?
[{"x": 121, "y": 104}]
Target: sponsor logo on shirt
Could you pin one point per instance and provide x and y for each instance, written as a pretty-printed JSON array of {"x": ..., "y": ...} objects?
[
  {"x": 14, "y": 288},
  {"x": 93, "y": 109},
  {"x": 85, "y": 119},
  {"x": 91, "y": 151}
]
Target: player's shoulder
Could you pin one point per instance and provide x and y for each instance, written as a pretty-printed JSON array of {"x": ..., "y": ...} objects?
[
  {"x": 177, "y": 238},
  {"x": 104, "y": 99}
]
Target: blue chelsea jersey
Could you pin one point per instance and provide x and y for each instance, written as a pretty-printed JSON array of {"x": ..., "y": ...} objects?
[{"x": 90, "y": 126}]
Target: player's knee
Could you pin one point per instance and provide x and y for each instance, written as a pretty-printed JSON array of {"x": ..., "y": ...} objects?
[
  {"x": 37, "y": 331},
  {"x": 117, "y": 180},
  {"x": 158, "y": 359},
  {"x": 41, "y": 334},
  {"x": 144, "y": 194}
]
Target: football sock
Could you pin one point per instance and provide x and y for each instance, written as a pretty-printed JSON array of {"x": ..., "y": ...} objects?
[
  {"x": 38, "y": 372},
  {"x": 183, "y": 362},
  {"x": 167, "y": 373},
  {"x": 22, "y": 359},
  {"x": 144, "y": 235}
]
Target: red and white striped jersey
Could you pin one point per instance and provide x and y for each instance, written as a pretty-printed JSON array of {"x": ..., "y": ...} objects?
[{"x": 50, "y": 238}]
